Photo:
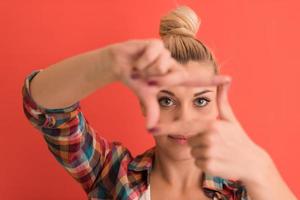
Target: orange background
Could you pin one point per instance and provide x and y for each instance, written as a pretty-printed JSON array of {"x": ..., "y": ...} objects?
[{"x": 257, "y": 42}]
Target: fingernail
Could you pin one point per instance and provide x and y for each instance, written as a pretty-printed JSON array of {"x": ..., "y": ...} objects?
[
  {"x": 135, "y": 76},
  {"x": 152, "y": 83},
  {"x": 153, "y": 130}
]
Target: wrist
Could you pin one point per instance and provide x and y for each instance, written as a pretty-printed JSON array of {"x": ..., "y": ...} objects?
[
  {"x": 99, "y": 68},
  {"x": 107, "y": 64},
  {"x": 104, "y": 70},
  {"x": 265, "y": 182},
  {"x": 262, "y": 169}
]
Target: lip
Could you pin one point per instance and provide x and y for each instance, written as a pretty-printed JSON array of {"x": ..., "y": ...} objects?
[
  {"x": 181, "y": 136},
  {"x": 179, "y": 139},
  {"x": 178, "y": 136}
]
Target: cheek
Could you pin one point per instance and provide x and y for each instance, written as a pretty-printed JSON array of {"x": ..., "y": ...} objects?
[
  {"x": 167, "y": 115},
  {"x": 160, "y": 140},
  {"x": 209, "y": 112}
]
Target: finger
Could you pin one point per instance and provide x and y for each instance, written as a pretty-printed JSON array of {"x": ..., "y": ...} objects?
[
  {"x": 199, "y": 152},
  {"x": 136, "y": 45},
  {"x": 167, "y": 129},
  {"x": 150, "y": 54},
  {"x": 185, "y": 128},
  {"x": 201, "y": 162},
  {"x": 180, "y": 77},
  {"x": 160, "y": 66},
  {"x": 207, "y": 81},
  {"x": 152, "y": 108},
  {"x": 147, "y": 96},
  {"x": 199, "y": 140},
  {"x": 225, "y": 111}
]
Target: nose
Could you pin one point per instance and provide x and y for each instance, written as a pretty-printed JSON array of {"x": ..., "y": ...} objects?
[
  {"x": 189, "y": 121},
  {"x": 184, "y": 113}
]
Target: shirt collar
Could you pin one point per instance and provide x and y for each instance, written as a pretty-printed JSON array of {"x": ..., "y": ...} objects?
[{"x": 144, "y": 161}]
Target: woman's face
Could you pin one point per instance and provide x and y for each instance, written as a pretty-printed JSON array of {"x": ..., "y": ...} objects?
[{"x": 182, "y": 103}]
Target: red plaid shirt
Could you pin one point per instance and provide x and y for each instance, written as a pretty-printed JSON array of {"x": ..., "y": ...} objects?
[{"x": 105, "y": 170}]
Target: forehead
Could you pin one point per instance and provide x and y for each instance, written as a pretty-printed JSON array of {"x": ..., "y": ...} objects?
[{"x": 205, "y": 71}]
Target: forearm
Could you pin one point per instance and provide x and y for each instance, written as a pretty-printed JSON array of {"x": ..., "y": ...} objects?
[
  {"x": 268, "y": 184},
  {"x": 70, "y": 138},
  {"x": 68, "y": 81}
]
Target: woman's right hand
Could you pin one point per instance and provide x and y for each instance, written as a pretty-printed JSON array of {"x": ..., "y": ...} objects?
[{"x": 137, "y": 63}]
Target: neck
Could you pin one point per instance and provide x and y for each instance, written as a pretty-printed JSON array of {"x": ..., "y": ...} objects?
[{"x": 181, "y": 174}]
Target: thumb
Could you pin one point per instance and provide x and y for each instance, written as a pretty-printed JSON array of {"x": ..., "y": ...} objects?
[
  {"x": 225, "y": 111},
  {"x": 152, "y": 110}
]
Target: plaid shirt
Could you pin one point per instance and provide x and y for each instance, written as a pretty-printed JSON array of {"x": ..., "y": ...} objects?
[{"x": 105, "y": 170}]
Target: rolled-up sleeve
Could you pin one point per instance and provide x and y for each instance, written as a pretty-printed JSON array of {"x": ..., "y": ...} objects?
[{"x": 70, "y": 138}]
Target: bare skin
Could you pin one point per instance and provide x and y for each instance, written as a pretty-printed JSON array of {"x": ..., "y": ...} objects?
[
  {"x": 160, "y": 189},
  {"x": 214, "y": 141},
  {"x": 206, "y": 145},
  {"x": 175, "y": 175}
]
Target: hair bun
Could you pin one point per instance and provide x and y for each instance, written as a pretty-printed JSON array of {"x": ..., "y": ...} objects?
[{"x": 182, "y": 21}]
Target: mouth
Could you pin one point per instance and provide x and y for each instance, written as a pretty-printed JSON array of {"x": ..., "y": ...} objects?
[{"x": 179, "y": 139}]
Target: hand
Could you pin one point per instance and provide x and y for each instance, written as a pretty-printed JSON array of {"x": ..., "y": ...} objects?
[
  {"x": 145, "y": 66},
  {"x": 221, "y": 148}
]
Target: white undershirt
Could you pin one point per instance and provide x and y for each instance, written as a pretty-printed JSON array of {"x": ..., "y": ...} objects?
[{"x": 146, "y": 194}]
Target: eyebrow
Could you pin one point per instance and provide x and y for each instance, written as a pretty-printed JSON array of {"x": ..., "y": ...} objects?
[{"x": 196, "y": 94}]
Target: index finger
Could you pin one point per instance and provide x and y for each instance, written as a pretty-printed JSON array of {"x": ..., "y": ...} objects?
[
  {"x": 184, "y": 128},
  {"x": 183, "y": 78}
]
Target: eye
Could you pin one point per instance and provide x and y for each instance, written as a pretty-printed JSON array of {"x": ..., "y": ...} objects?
[
  {"x": 201, "y": 102},
  {"x": 165, "y": 101}
]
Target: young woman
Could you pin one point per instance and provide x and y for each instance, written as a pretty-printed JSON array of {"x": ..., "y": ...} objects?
[{"x": 201, "y": 150}]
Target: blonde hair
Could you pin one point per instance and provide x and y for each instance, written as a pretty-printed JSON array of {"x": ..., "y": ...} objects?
[{"x": 178, "y": 31}]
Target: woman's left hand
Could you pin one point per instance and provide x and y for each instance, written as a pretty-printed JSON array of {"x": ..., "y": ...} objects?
[{"x": 222, "y": 148}]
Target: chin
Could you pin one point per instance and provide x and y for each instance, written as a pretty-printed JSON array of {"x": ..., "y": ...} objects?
[{"x": 177, "y": 149}]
